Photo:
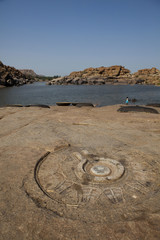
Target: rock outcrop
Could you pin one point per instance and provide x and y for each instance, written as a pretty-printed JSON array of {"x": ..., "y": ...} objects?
[
  {"x": 112, "y": 71},
  {"x": 147, "y": 76},
  {"x": 110, "y": 75},
  {"x": 28, "y": 72},
  {"x": 98, "y": 76},
  {"x": 10, "y": 76}
]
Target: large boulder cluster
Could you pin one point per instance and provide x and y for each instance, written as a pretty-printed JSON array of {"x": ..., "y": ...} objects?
[
  {"x": 113, "y": 71},
  {"x": 109, "y": 75},
  {"x": 147, "y": 76},
  {"x": 10, "y": 76},
  {"x": 99, "y": 76},
  {"x": 28, "y": 72}
]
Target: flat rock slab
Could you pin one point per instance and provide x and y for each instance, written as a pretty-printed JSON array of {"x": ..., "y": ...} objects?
[
  {"x": 79, "y": 173},
  {"x": 137, "y": 109}
]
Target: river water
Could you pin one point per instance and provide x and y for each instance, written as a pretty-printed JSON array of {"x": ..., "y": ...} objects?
[{"x": 40, "y": 93}]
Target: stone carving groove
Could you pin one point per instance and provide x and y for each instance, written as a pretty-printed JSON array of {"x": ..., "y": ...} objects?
[{"x": 75, "y": 184}]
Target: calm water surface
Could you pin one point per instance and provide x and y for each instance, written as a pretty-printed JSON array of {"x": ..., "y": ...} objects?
[{"x": 40, "y": 93}]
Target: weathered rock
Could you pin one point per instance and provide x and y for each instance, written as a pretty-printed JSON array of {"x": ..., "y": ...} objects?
[
  {"x": 147, "y": 71},
  {"x": 147, "y": 76},
  {"x": 92, "y": 76},
  {"x": 112, "y": 71},
  {"x": 79, "y": 173},
  {"x": 110, "y": 75},
  {"x": 140, "y": 81},
  {"x": 137, "y": 109},
  {"x": 9, "y": 76},
  {"x": 28, "y": 72}
]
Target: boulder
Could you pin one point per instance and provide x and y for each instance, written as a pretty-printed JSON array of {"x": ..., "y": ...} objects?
[
  {"x": 147, "y": 71},
  {"x": 28, "y": 72},
  {"x": 147, "y": 76},
  {"x": 10, "y": 76},
  {"x": 99, "y": 76}
]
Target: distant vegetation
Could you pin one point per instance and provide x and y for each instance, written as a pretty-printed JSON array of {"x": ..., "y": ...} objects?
[
  {"x": 31, "y": 74},
  {"x": 47, "y": 78}
]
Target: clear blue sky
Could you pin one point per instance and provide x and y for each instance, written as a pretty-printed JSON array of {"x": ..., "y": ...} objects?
[{"x": 60, "y": 36}]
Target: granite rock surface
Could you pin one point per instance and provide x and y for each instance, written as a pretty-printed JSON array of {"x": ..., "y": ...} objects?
[
  {"x": 79, "y": 173},
  {"x": 110, "y": 75}
]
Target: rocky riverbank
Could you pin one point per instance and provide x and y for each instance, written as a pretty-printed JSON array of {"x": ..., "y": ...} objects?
[
  {"x": 109, "y": 75},
  {"x": 10, "y": 76}
]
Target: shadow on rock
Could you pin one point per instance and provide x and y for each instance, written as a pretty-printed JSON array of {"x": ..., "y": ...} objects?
[
  {"x": 38, "y": 105},
  {"x": 153, "y": 104},
  {"x": 14, "y": 105},
  {"x": 137, "y": 109}
]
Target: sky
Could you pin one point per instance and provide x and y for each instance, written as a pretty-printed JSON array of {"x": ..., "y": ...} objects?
[{"x": 56, "y": 37}]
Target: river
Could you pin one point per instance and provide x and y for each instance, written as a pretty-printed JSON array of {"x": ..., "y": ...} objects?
[{"x": 40, "y": 93}]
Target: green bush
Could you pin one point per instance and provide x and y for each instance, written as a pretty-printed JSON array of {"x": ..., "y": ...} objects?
[{"x": 47, "y": 78}]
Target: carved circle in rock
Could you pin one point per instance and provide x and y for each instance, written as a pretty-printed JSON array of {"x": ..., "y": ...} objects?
[
  {"x": 100, "y": 169},
  {"x": 80, "y": 185},
  {"x": 66, "y": 176}
]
